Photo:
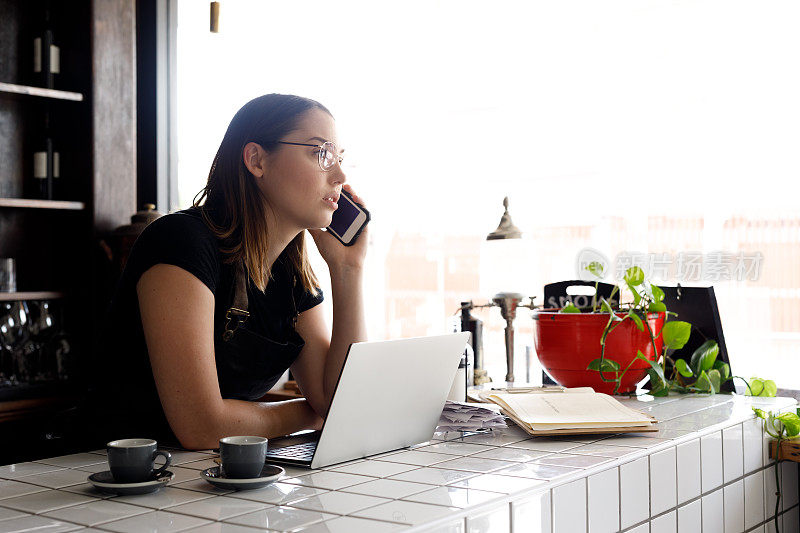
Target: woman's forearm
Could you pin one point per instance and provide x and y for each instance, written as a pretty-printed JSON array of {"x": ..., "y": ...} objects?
[
  {"x": 349, "y": 324},
  {"x": 239, "y": 417}
]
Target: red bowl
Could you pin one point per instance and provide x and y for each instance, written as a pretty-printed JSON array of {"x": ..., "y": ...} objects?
[{"x": 567, "y": 342}]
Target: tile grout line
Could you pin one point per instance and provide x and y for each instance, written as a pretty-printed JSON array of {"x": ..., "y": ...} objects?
[
  {"x": 722, "y": 488},
  {"x": 650, "y": 485},
  {"x": 586, "y": 496},
  {"x": 619, "y": 497}
]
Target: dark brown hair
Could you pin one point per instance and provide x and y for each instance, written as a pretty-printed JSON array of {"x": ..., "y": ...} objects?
[{"x": 231, "y": 203}]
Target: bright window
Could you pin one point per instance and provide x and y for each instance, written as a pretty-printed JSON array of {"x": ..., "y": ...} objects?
[{"x": 654, "y": 127}]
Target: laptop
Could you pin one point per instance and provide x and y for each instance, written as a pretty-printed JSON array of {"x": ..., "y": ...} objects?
[{"x": 390, "y": 395}]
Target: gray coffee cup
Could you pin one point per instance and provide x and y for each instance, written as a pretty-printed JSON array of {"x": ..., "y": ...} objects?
[
  {"x": 242, "y": 457},
  {"x": 131, "y": 460}
]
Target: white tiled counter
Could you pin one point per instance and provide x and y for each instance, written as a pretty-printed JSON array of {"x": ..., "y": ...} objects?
[{"x": 705, "y": 471}]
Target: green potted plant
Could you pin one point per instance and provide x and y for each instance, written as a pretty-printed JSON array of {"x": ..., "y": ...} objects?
[{"x": 612, "y": 348}]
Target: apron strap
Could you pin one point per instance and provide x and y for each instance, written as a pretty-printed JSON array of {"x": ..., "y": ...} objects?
[{"x": 237, "y": 314}]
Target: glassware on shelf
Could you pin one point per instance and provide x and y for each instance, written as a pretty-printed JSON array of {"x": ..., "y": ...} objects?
[
  {"x": 14, "y": 333},
  {"x": 34, "y": 347},
  {"x": 6, "y": 346}
]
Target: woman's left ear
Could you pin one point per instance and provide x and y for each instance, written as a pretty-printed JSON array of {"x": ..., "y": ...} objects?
[{"x": 254, "y": 158}]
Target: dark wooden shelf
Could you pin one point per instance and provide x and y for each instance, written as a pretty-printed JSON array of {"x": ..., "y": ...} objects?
[
  {"x": 30, "y": 295},
  {"x": 41, "y": 204},
  {"x": 24, "y": 400},
  {"x": 27, "y": 90}
]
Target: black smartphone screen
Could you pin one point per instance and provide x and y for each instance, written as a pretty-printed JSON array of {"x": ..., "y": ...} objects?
[{"x": 344, "y": 215}]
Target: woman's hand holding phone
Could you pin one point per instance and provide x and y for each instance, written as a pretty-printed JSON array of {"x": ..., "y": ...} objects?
[{"x": 334, "y": 252}]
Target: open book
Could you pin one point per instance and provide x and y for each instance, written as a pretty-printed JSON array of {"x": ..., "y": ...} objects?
[{"x": 584, "y": 411}]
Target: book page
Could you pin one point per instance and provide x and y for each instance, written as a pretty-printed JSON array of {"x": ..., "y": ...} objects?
[
  {"x": 563, "y": 411},
  {"x": 483, "y": 395}
]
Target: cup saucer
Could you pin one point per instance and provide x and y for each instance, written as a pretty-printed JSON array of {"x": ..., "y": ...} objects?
[
  {"x": 104, "y": 482},
  {"x": 269, "y": 474}
]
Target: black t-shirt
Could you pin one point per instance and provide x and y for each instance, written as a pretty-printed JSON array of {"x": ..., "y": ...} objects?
[{"x": 247, "y": 366}]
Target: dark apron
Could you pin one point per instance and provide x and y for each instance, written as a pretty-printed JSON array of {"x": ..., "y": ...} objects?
[{"x": 249, "y": 364}]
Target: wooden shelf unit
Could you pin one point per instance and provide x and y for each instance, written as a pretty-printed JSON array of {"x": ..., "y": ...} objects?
[
  {"x": 27, "y": 90},
  {"x": 92, "y": 124},
  {"x": 31, "y": 203},
  {"x": 31, "y": 295}
]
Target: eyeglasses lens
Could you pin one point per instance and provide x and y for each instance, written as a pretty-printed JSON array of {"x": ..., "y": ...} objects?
[{"x": 328, "y": 156}]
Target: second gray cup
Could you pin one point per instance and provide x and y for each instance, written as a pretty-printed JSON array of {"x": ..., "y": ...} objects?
[{"x": 242, "y": 457}]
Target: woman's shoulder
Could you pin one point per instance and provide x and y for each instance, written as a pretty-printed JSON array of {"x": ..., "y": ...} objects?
[
  {"x": 182, "y": 230},
  {"x": 180, "y": 222},
  {"x": 182, "y": 239}
]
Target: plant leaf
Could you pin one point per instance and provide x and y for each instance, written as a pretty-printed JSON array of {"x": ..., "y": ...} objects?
[
  {"x": 658, "y": 294},
  {"x": 661, "y": 391},
  {"x": 683, "y": 369},
  {"x": 656, "y": 388},
  {"x": 636, "y": 296},
  {"x": 636, "y": 320},
  {"x": 755, "y": 388},
  {"x": 654, "y": 366},
  {"x": 704, "y": 356},
  {"x": 791, "y": 422},
  {"x": 724, "y": 369},
  {"x": 760, "y": 413},
  {"x": 676, "y": 334},
  {"x": 595, "y": 268},
  {"x": 570, "y": 308},
  {"x": 761, "y": 387},
  {"x": 605, "y": 307},
  {"x": 657, "y": 307},
  {"x": 634, "y": 276},
  {"x": 715, "y": 379},
  {"x": 703, "y": 383},
  {"x": 609, "y": 365},
  {"x": 770, "y": 389}
]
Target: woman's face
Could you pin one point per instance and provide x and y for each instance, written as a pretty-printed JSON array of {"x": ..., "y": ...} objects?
[{"x": 298, "y": 191}]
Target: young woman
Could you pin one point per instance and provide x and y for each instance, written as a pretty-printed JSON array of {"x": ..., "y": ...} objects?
[{"x": 218, "y": 300}]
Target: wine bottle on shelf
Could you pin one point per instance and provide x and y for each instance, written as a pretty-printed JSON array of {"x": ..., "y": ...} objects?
[
  {"x": 46, "y": 163},
  {"x": 46, "y": 54}
]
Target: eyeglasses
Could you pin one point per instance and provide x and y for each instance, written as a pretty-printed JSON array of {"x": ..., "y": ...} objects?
[{"x": 328, "y": 155}]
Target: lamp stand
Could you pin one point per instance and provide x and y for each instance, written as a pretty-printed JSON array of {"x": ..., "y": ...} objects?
[{"x": 508, "y": 303}]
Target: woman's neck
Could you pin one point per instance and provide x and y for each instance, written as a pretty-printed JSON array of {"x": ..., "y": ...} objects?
[{"x": 278, "y": 237}]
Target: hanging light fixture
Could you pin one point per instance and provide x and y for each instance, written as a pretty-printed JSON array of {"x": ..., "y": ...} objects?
[
  {"x": 506, "y": 229},
  {"x": 214, "y": 23}
]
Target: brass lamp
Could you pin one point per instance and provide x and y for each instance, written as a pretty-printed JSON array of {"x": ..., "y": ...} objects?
[{"x": 508, "y": 302}]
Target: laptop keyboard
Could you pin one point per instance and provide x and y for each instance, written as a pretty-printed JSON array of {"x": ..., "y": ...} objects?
[{"x": 301, "y": 452}]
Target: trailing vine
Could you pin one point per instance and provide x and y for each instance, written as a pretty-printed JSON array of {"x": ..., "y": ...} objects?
[{"x": 780, "y": 426}]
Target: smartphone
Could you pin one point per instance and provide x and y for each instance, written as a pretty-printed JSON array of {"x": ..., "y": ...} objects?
[{"x": 348, "y": 220}]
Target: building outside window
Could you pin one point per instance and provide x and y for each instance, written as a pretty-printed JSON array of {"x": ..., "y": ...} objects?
[{"x": 620, "y": 127}]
